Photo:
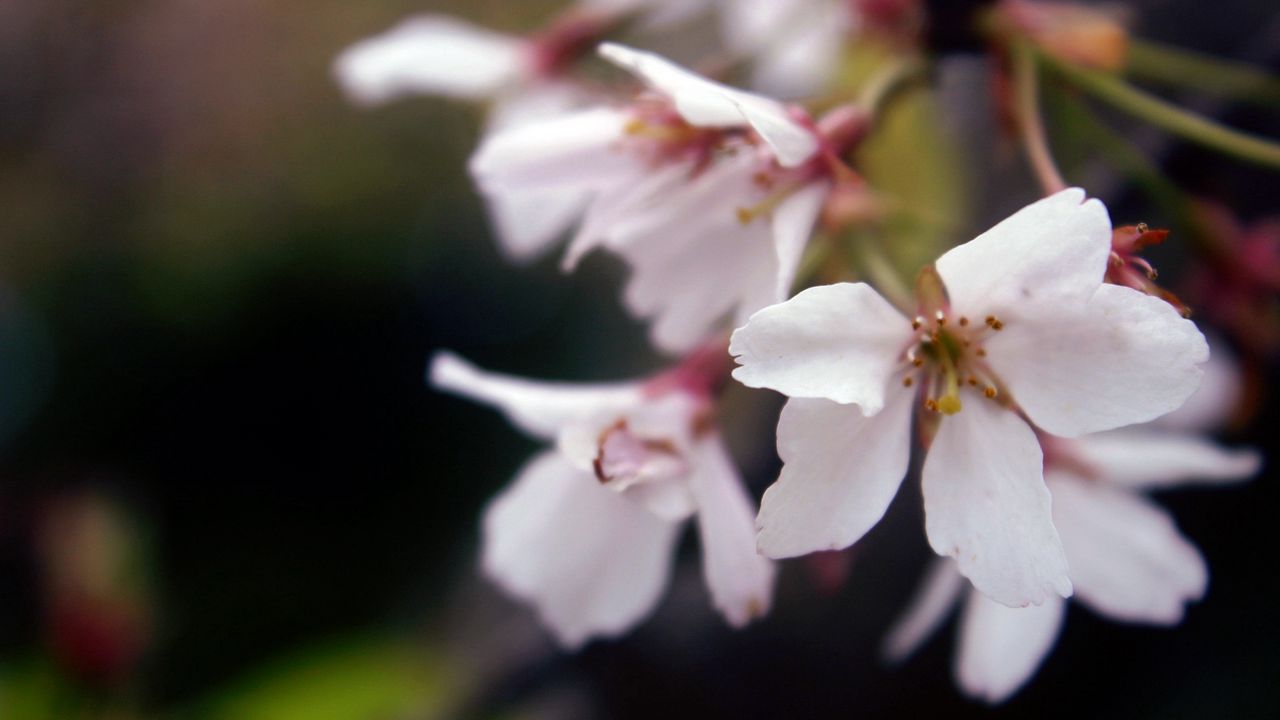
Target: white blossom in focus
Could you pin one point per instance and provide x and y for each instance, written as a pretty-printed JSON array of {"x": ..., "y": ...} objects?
[
  {"x": 709, "y": 193},
  {"x": 1024, "y": 322},
  {"x": 1128, "y": 560},
  {"x": 587, "y": 531}
]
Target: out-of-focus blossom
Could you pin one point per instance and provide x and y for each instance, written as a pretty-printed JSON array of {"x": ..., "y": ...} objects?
[
  {"x": 794, "y": 45},
  {"x": 442, "y": 55},
  {"x": 709, "y": 193},
  {"x": 586, "y": 532},
  {"x": 1015, "y": 322},
  {"x": 651, "y": 14},
  {"x": 434, "y": 55},
  {"x": 1128, "y": 562},
  {"x": 526, "y": 78}
]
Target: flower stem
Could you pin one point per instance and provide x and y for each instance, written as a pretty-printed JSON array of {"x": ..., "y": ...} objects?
[
  {"x": 1189, "y": 125},
  {"x": 1030, "y": 122},
  {"x": 1180, "y": 68}
]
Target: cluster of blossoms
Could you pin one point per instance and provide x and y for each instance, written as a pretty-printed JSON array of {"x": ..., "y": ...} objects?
[{"x": 1022, "y": 354}]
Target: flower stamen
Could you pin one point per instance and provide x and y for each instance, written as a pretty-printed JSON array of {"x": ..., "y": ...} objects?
[{"x": 769, "y": 203}]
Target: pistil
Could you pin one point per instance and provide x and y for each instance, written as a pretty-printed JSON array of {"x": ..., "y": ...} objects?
[{"x": 949, "y": 403}]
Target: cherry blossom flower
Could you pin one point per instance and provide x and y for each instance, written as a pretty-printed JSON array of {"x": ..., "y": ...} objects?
[
  {"x": 794, "y": 44},
  {"x": 441, "y": 55},
  {"x": 586, "y": 532},
  {"x": 1016, "y": 319},
  {"x": 1128, "y": 561},
  {"x": 524, "y": 79},
  {"x": 709, "y": 193}
]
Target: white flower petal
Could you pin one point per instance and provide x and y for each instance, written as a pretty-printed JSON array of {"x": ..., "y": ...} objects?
[
  {"x": 741, "y": 582},
  {"x": 534, "y": 102},
  {"x": 802, "y": 53},
  {"x": 1221, "y": 389},
  {"x": 690, "y": 297},
  {"x": 528, "y": 223},
  {"x": 840, "y": 342},
  {"x": 1001, "y": 647},
  {"x": 538, "y": 408},
  {"x": 1053, "y": 251},
  {"x": 576, "y": 151},
  {"x": 654, "y": 14},
  {"x": 792, "y": 225},
  {"x": 430, "y": 54},
  {"x": 986, "y": 505},
  {"x": 528, "y": 220},
  {"x": 1149, "y": 458},
  {"x": 1123, "y": 358},
  {"x": 704, "y": 103},
  {"x": 747, "y": 25},
  {"x": 640, "y": 451},
  {"x": 1128, "y": 560},
  {"x": 693, "y": 263},
  {"x": 590, "y": 562},
  {"x": 840, "y": 471},
  {"x": 933, "y": 601},
  {"x": 613, "y": 211}
]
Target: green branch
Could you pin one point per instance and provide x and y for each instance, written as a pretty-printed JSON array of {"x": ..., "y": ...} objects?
[
  {"x": 1189, "y": 125},
  {"x": 1184, "y": 69}
]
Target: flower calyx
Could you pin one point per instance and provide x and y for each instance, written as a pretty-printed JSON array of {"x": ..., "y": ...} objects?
[
  {"x": 1071, "y": 32},
  {"x": 1126, "y": 267}
]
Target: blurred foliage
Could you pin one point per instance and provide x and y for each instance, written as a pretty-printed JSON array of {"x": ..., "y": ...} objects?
[
  {"x": 362, "y": 678},
  {"x": 909, "y": 159}
]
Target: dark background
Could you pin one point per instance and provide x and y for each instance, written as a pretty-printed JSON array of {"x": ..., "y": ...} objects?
[{"x": 219, "y": 287}]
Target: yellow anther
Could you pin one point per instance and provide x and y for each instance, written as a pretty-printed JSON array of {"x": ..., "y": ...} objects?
[
  {"x": 964, "y": 321},
  {"x": 917, "y": 323},
  {"x": 989, "y": 392},
  {"x": 981, "y": 352},
  {"x": 973, "y": 381},
  {"x": 907, "y": 381},
  {"x": 942, "y": 319},
  {"x": 931, "y": 404}
]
